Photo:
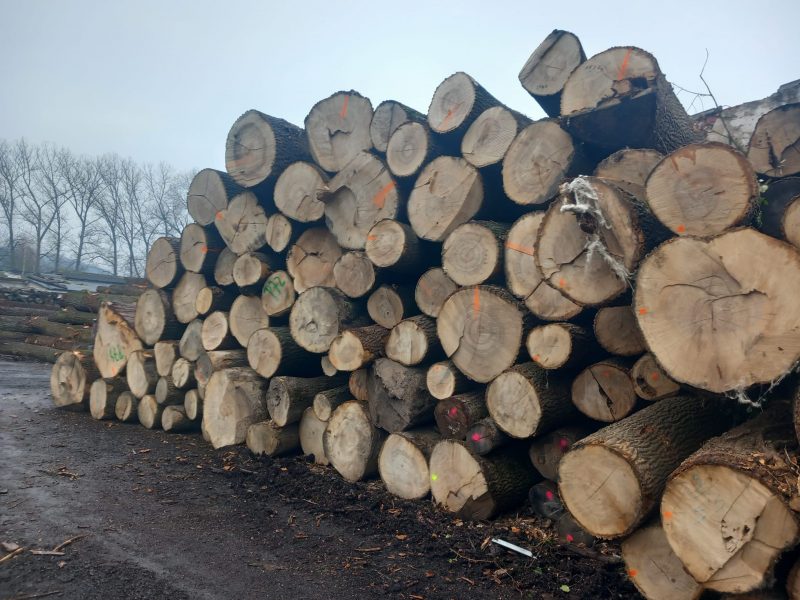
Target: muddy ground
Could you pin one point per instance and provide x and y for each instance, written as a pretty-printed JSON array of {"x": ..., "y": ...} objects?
[{"x": 156, "y": 516}]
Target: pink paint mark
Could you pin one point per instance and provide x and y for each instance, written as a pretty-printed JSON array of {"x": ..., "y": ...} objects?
[
  {"x": 476, "y": 437},
  {"x": 569, "y": 537},
  {"x": 549, "y": 495},
  {"x": 563, "y": 443},
  {"x": 453, "y": 411}
]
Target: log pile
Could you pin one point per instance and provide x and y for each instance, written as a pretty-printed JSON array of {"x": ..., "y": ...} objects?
[{"x": 486, "y": 309}]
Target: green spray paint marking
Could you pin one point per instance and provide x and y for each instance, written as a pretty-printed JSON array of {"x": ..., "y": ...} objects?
[{"x": 273, "y": 285}]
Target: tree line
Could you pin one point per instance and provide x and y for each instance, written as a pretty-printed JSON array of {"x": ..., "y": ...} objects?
[{"x": 72, "y": 211}]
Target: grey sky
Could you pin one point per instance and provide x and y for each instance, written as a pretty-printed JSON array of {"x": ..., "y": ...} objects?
[{"x": 164, "y": 80}]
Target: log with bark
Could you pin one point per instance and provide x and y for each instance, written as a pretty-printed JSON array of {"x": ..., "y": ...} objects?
[
  {"x": 338, "y": 129},
  {"x": 432, "y": 289},
  {"x": 629, "y": 168},
  {"x": 71, "y": 379},
  {"x": 311, "y": 432},
  {"x": 398, "y": 397},
  {"x": 267, "y": 438},
  {"x": 116, "y": 338},
  {"x": 473, "y": 253},
  {"x": 287, "y": 397},
  {"x": 127, "y": 407},
  {"x": 411, "y": 147},
  {"x": 604, "y": 391},
  {"x": 243, "y": 225},
  {"x": 488, "y": 139},
  {"x": 352, "y": 442},
  {"x": 773, "y": 149},
  {"x": 183, "y": 374},
  {"x": 299, "y": 192},
  {"x": 165, "y": 353},
  {"x": 191, "y": 344},
  {"x": 184, "y": 296},
  {"x": 209, "y": 193},
  {"x": 310, "y": 261},
  {"x": 235, "y": 398},
  {"x": 545, "y": 501},
  {"x": 780, "y": 210},
  {"x": 414, "y": 341},
  {"x": 174, "y": 419},
  {"x": 142, "y": 373},
  {"x": 200, "y": 247},
  {"x": 280, "y": 233},
  {"x": 326, "y": 401},
  {"x": 617, "y": 332},
  {"x": 484, "y": 437},
  {"x": 456, "y": 414},
  {"x": 356, "y": 348},
  {"x": 154, "y": 318},
  {"x": 547, "y": 450},
  {"x": 327, "y": 366},
  {"x": 163, "y": 266},
  {"x": 210, "y": 362},
  {"x": 193, "y": 405},
  {"x": 216, "y": 333},
  {"x": 167, "y": 393},
  {"x": 278, "y": 294},
  {"x": 148, "y": 412},
  {"x": 393, "y": 245},
  {"x": 650, "y": 382},
  {"x": 390, "y": 304},
  {"x": 388, "y": 116},
  {"x": 357, "y": 384},
  {"x": 251, "y": 269},
  {"x": 355, "y": 274},
  {"x": 455, "y": 105},
  {"x": 273, "y": 351},
  {"x": 403, "y": 463},
  {"x": 444, "y": 380},
  {"x": 561, "y": 346},
  {"x": 223, "y": 268},
  {"x": 319, "y": 315},
  {"x": 246, "y": 317},
  {"x": 213, "y": 298}
]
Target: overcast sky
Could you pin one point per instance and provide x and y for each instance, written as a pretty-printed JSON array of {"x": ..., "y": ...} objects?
[{"x": 165, "y": 79}]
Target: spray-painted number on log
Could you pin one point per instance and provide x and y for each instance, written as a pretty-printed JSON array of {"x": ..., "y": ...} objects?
[
  {"x": 115, "y": 353},
  {"x": 273, "y": 286}
]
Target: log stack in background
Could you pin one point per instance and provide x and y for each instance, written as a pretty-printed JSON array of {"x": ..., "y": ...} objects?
[{"x": 485, "y": 308}]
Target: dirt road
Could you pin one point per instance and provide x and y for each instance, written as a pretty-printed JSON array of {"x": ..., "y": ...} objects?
[{"x": 165, "y": 516}]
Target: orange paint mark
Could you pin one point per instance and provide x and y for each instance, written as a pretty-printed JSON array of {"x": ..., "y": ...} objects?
[
  {"x": 606, "y": 373},
  {"x": 343, "y": 112},
  {"x": 517, "y": 248},
  {"x": 655, "y": 376},
  {"x": 642, "y": 311},
  {"x": 632, "y": 573},
  {"x": 562, "y": 283},
  {"x": 680, "y": 228},
  {"x": 113, "y": 371},
  {"x": 536, "y": 357},
  {"x": 447, "y": 117},
  {"x": 476, "y": 301},
  {"x": 219, "y": 215},
  {"x": 667, "y": 515},
  {"x": 372, "y": 238},
  {"x": 623, "y": 68},
  {"x": 380, "y": 198},
  {"x": 204, "y": 249}
]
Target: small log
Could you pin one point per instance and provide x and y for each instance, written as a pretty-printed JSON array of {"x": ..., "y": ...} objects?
[
  {"x": 167, "y": 393},
  {"x": 115, "y": 339},
  {"x": 319, "y": 315},
  {"x": 311, "y": 431},
  {"x": 571, "y": 532},
  {"x": 773, "y": 146},
  {"x": 398, "y": 398},
  {"x": 444, "y": 380},
  {"x": 141, "y": 374},
  {"x": 193, "y": 405},
  {"x": 393, "y": 245},
  {"x": 245, "y": 317},
  {"x": 234, "y": 399},
  {"x": 488, "y": 139},
  {"x": 223, "y": 267},
  {"x": 163, "y": 266},
  {"x": 243, "y": 225},
  {"x": 484, "y": 437},
  {"x": 547, "y": 450},
  {"x": 326, "y": 401},
  {"x": 355, "y": 348},
  {"x": 149, "y": 412},
  {"x": 354, "y": 274},
  {"x": 154, "y": 318},
  {"x": 272, "y": 351},
  {"x": 612, "y": 479},
  {"x": 210, "y": 362},
  {"x": 103, "y": 396},
  {"x": 251, "y": 270},
  {"x": 183, "y": 374},
  {"x": 278, "y": 294},
  {"x": 388, "y": 116},
  {"x": 478, "y": 487},
  {"x": 357, "y": 384},
  {"x": 165, "y": 354},
  {"x": 793, "y": 581},
  {"x": 288, "y": 397},
  {"x": 71, "y": 379},
  {"x": 213, "y": 298},
  {"x": 545, "y": 501},
  {"x": 184, "y": 297},
  {"x": 265, "y": 438},
  {"x": 338, "y": 129},
  {"x": 433, "y": 288},
  {"x": 191, "y": 345},
  {"x": 561, "y": 346},
  {"x": 200, "y": 247},
  {"x": 411, "y": 146},
  {"x": 299, "y": 191},
  {"x": 216, "y": 333},
  {"x": 629, "y": 169},
  {"x": 650, "y": 382},
  {"x": 327, "y": 366},
  {"x": 280, "y": 233},
  {"x": 780, "y": 213},
  {"x": 352, "y": 442},
  {"x": 616, "y": 330},
  {"x": 70, "y": 316},
  {"x": 604, "y": 391},
  {"x": 457, "y": 102},
  {"x": 126, "y": 409},
  {"x": 310, "y": 260},
  {"x": 175, "y": 420},
  {"x": 209, "y": 193},
  {"x": 390, "y": 304},
  {"x": 455, "y": 415},
  {"x": 413, "y": 341},
  {"x": 403, "y": 463},
  {"x": 473, "y": 253},
  {"x": 30, "y": 351}
]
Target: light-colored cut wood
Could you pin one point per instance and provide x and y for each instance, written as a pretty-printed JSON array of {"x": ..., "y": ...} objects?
[
  {"x": 629, "y": 168},
  {"x": 338, "y": 129},
  {"x": 310, "y": 261},
  {"x": 650, "y": 382},
  {"x": 388, "y": 116},
  {"x": 560, "y": 346},
  {"x": 103, "y": 396},
  {"x": 403, "y": 463},
  {"x": 184, "y": 296},
  {"x": 414, "y": 341},
  {"x": 266, "y": 438},
  {"x": 456, "y": 103},
  {"x": 115, "y": 339},
  {"x": 432, "y": 289},
  {"x": 319, "y": 315},
  {"x": 616, "y": 330},
  {"x": 243, "y": 225},
  {"x": 246, "y": 316},
  {"x": 149, "y": 412},
  {"x": 191, "y": 345},
  {"x": 444, "y": 380},
  {"x": 163, "y": 266},
  {"x": 311, "y": 431},
  {"x": 773, "y": 148},
  {"x": 183, "y": 374},
  {"x": 209, "y": 193},
  {"x": 273, "y": 351},
  {"x": 488, "y": 138},
  {"x": 154, "y": 318},
  {"x": 299, "y": 191},
  {"x": 252, "y": 269},
  {"x": 216, "y": 333},
  {"x": 193, "y": 405},
  {"x": 355, "y": 348},
  {"x": 410, "y": 148},
  {"x": 473, "y": 253},
  {"x": 355, "y": 274},
  {"x": 288, "y": 397},
  {"x": 142, "y": 372},
  {"x": 223, "y": 268},
  {"x": 398, "y": 398},
  {"x": 326, "y": 401},
  {"x": 352, "y": 442},
  {"x": 126, "y": 409},
  {"x": 165, "y": 354},
  {"x": 604, "y": 391},
  {"x": 200, "y": 247},
  {"x": 234, "y": 399},
  {"x": 71, "y": 379},
  {"x": 390, "y": 304},
  {"x": 546, "y": 71}
]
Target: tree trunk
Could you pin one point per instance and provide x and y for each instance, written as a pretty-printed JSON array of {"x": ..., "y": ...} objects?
[
  {"x": 393, "y": 245},
  {"x": 142, "y": 373},
  {"x": 403, "y": 463},
  {"x": 649, "y": 380},
  {"x": 310, "y": 261},
  {"x": 355, "y": 348},
  {"x": 484, "y": 437},
  {"x": 209, "y": 193},
  {"x": 455, "y": 415},
  {"x": 473, "y": 253},
  {"x": 354, "y": 274},
  {"x": 213, "y": 298},
  {"x": 604, "y": 391},
  {"x": 299, "y": 191},
  {"x": 617, "y": 332},
  {"x": 488, "y": 139},
  {"x": 163, "y": 266},
  {"x": 280, "y": 232},
  {"x": 780, "y": 215},
  {"x": 561, "y": 346},
  {"x": 352, "y": 442},
  {"x": 243, "y": 225},
  {"x": 546, "y": 71},
  {"x": 184, "y": 297},
  {"x": 388, "y": 116},
  {"x": 326, "y": 401},
  {"x": 175, "y": 419},
  {"x": 457, "y": 102},
  {"x": 216, "y": 333},
  {"x": 126, "y": 409},
  {"x": 200, "y": 247},
  {"x": 611, "y": 480},
  {"x": 444, "y": 380},
  {"x": 357, "y": 384},
  {"x": 71, "y": 379},
  {"x": 245, "y": 317},
  {"x": 390, "y": 304},
  {"x": 398, "y": 398},
  {"x": 726, "y": 508},
  {"x": 272, "y": 351},
  {"x": 311, "y": 431},
  {"x": 167, "y": 393},
  {"x": 360, "y": 195},
  {"x": 183, "y": 374},
  {"x": 414, "y": 341},
  {"x": 267, "y": 438},
  {"x": 288, "y": 397},
  {"x": 191, "y": 344},
  {"x": 223, "y": 267},
  {"x": 738, "y": 309},
  {"x": 250, "y": 271},
  {"x": 154, "y": 318},
  {"x": 193, "y": 405},
  {"x": 433, "y": 288},
  {"x": 547, "y": 450},
  {"x": 278, "y": 295},
  {"x": 478, "y": 487},
  {"x": 235, "y": 399},
  {"x": 115, "y": 339},
  {"x": 165, "y": 354},
  {"x": 338, "y": 129},
  {"x": 29, "y": 351},
  {"x": 773, "y": 149},
  {"x": 149, "y": 412},
  {"x": 210, "y": 362},
  {"x": 411, "y": 147},
  {"x": 629, "y": 169},
  {"x": 319, "y": 315}
]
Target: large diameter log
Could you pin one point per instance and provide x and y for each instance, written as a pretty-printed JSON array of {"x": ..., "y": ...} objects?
[
  {"x": 444, "y": 380},
  {"x": 773, "y": 149},
  {"x": 251, "y": 270},
  {"x": 200, "y": 247},
  {"x": 455, "y": 415},
  {"x": 278, "y": 294},
  {"x": 398, "y": 397},
  {"x": 223, "y": 267},
  {"x": 193, "y": 405},
  {"x": 219, "y": 360},
  {"x": 165, "y": 354},
  {"x": 617, "y": 332},
  {"x": 154, "y": 318},
  {"x": 148, "y": 412},
  {"x": 356, "y": 348},
  {"x": 267, "y": 438},
  {"x": 191, "y": 345},
  {"x": 352, "y": 442},
  {"x": 326, "y": 401},
  {"x": 360, "y": 195},
  {"x": 744, "y": 327},
  {"x": 311, "y": 432},
  {"x": 780, "y": 210},
  {"x": 357, "y": 384},
  {"x": 526, "y": 401},
  {"x": 481, "y": 330},
  {"x": 403, "y": 463},
  {"x": 126, "y": 409},
  {"x": 142, "y": 373},
  {"x": 432, "y": 289},
  {"x": 388, "y": 116},
  {"x": 484, "y": 437},
  {"x": 478, "y": 487},
  {"x": 288, "y": 397},
  {"x": 654, "y": 568},
  {"x": 411, "y": 147},
  {"x": 604, "y": 391},
  {"x": 246, "y": 317},
  {"x": 273, "y": 351},
  {"x": 183, "y": 374},
  {"x": 650, "y": 382},
  {"x": 299, "y": 192},
  {"x": 612, "y": 479},
  {"x": 174, "y": 419},
  {"x": 235, "y": 399},
  {"x": 310, "y": 261},
  {"x": 163, "y": 266},
  {"x": 448, "y": 192},
  {"x": 338, "y": 129},
  {"x": 413, "y": 341},
  {"x": 209, "y": 193},
  {"x": 488, "y": 139},
  {"x": 620, "y": 98},
  {"x": 390, "y": 304},
  {"x": 184, "y": 296},
  {"x": 260, "y": 146},
  {"x": 213, "y": 298},
  {"x": 243, "y": 225},
  {"x": 71, "y": 379},
  {"x": 455, "y": 105},
  {"x": 546, "y": 71},
  {"x": 473, "y": 253},
  {"x": 115, "y": 339},
  {"x": 546, "y": 451},
  {"x": 393, "y": 245},
  {"x": 355, "y": 274},
  {"x": 726, "y": 509},
  {"x": 629, "y": 168},
  {"x": 560, "y": 346},
  {"x": 319, "y": 315},
  {"x": 702, "y": 189}
]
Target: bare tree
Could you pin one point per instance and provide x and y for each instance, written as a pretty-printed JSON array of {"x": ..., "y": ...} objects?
[
  {"x": 84, "y": 192},
  {"x": 166, "y": 190},
  {"x": 109, "y": 211},
  {"x": 51, "y": 182},
  {"x": 36, "y": 207},
  {"x": 10, "y": 192}
]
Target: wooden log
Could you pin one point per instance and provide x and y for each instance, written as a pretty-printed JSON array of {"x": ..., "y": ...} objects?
[
  {"x": 280, "y": 233},
  {"x": 223, "y": 268},
  {"x": 193, "y": 405},
  {"x": 780, "y": 213},
  {"x": 278, "y": 294},
  {"x": 142, "y": 373},
  {"x": 413, "y": 341},
  {"x": 484, "y": 437},
  {"x": 488, "y": 139},
  {"x": 183, "y": 374},
  {"x": 473, "y": 253},
  {"x": 260, "y": 146},
  {"x": 47, "y": 341},
  {"x": 265, "y": 438},
  {"x": 81, "y": 301},
  {"x": 78, "y": 335},
  {"x": 200, "y": 247},
  {"x": 310, "y": 261},
  {"x": 163, "y": 266},
  {"x": 272, "y": 351},
  {"x": 71, "y": 379},
  {"x": 388, "y": 116},
  {"x": 403, "y": 463},
  {"x": 604, "y": 391},
  {"x": 115, "y": 339},
  {"x": 311, "y": 431},
  {"x": 209, "y": 193},
  {"x": 390, "y": 304},
  {"x": 352, "y": 442},
  {"x": 354, "y": 274},
  {"x": 326, "y": 401},
  {"x": 167, "y": 393},
  {"x": 411, "y": 147},
  {"x": 480, "y": 328},
  {"x": 629, "y": 168},
  {"x": 357, "y": 384},
  {"x": 31, "y": 351},
  {"x": 455, "y": 105},
  {"x": 216, "y": 333},
  {"x": 213, "y": 298},
  {"x": 743, "y": 301},
  {"x": 210, "y": 362},
  {"x": 245, "y": 317},
  {"x": 154, "y": 318},
  {"x": 527, "y": 400},
  {"x": 70, "y": 316},
  {"x": 393, "y": 245},
  {"x": 251, "y": 269},
  {"x": 126, "y": 409},
  {"x": 184, "y": 296},
  {"x": 444, "y": 380},
  {"x": 299, "y": 192},
  {"x": 319, "y": 315},
  {"x": 793, "y": 581},
  {"x": 148, "y": 412},
  {"x": 702, "y": 189},
  {"x": 478, "y": 487},
  {"x": 174, "y": 419},
  {"x": 356, "y": 348},
  {"x": 338, "y": 129},
  {"x": 773, "y": 146},
  {"x": 432, "y": 289},
  {"x": 612, "y": 479},
  {"x": 191, "y": 344},
  {"x": 288, "y": 397},
  {"x": 654, "y": 568},
  {"x": 561, "y": 346},
  {"x": 243, "y": 225},
  {"x": 360, "y": 195},
  {"x": 448, "y": 192},
  {"x": 545, "y": 501},
  {"x": 726, "y": 509},
  {"x": 327, "y": 366},
  {"x": 620, "y": 98},
  {"x": 650, "y": 382},
  {"x": 455, "y": 415},
  {"x": 547, "y": 450},
  {"x": 617, "y": 332},
  {"x": 165, "y": 353},
  {"x": 234, "y": 399},
  {"x": 397, "y": 395},
  {"x": 546, "y": 71}
]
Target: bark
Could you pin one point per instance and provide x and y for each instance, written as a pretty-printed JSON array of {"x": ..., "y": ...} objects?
[
  {"x": 272, "y": 351},
  {"x": 403, "y": 463},
  {"x": 267, "y": 438},
  {"x": 288, "y": 397},
  {"x": 455, "y": 415},
  {"x": 209, "y": 193},
  {"x": 398, "y": 398},
  {"x": 163, "y": 267}
]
